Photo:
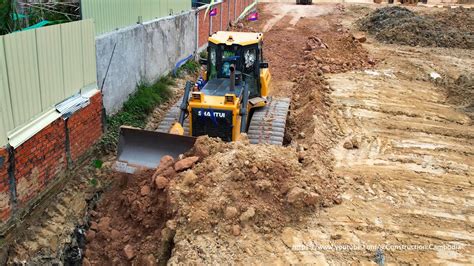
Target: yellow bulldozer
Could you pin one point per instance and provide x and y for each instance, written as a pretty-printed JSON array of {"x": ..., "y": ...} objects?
[{"x": 231, "y": 99}]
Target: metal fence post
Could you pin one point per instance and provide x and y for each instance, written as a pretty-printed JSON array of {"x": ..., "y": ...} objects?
[{"x": 235, "y": 10}]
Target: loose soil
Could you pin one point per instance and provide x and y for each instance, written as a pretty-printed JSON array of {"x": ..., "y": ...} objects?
[
  {"x": 131, "y": 213},
  {"x": 449, "y": 28}
]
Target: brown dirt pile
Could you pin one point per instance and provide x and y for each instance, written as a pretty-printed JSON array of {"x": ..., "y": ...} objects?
[
  {"x": 127, "y": 223},
  {"x": 450, "y": 28},
  {"x": 235, "y": 187},
  {"x": 238, "y": 185},
  {"x": 240, "y": 192}
]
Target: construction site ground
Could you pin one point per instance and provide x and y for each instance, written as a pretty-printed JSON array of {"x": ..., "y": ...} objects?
[{"x": 378, "y": 165}]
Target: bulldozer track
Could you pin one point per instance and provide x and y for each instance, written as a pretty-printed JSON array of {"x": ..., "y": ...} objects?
[
  {"x": 267, "y": 125},
  {"x": 269, "y": 122},
  {"x": 171, "y": 117}
]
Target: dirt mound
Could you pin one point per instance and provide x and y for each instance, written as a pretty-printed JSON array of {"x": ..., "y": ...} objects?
[
  {"x": 239, "y": 192},
  {"x": 236, "y": 186},
  {"x": 239, "y": 185},
  {"x": 450, "y": 28},
  {"x": 127, "y": 223},
  {"x": 459, "y": 91}
]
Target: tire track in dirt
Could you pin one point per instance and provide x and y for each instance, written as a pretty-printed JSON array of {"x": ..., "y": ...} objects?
[{"x": 406, "y": 156}]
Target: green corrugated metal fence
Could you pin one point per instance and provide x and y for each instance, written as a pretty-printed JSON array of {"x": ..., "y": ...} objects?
[
  {"x": 110, "y": 15},
  {"x": 40, "y": 68}
]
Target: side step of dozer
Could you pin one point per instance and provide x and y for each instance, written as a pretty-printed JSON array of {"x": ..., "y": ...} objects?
[{"x": 142, "y": 149}]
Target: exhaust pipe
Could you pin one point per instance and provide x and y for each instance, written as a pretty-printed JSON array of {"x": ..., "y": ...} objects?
[{"x": 232, "y": 78}]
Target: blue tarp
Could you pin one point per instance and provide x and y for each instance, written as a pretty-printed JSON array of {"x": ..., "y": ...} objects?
[{"x": 38, "y": 25}]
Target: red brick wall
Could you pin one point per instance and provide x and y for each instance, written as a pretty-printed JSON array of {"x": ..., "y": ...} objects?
[
  {"x": 225, "y": 14},
  {"x": 216, "y": 21},
  {"x": 85, "y": 127},
  {"x": 41, "y": 160},
  {"x": 5, "y": 208},
  {"x": 232, "y": 7},
  {"x": 203, "y": 28}
]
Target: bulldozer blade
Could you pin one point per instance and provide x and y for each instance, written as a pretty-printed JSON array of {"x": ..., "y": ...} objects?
[{"x": 143, "y": 149}]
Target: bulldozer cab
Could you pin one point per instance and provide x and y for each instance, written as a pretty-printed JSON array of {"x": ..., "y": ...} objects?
[{"x": 243, "y": 51}]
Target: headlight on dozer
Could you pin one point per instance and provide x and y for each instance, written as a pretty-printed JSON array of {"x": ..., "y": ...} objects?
[
  {"x": 229, "y": 98},
  {"x": 196, "y": 96}
]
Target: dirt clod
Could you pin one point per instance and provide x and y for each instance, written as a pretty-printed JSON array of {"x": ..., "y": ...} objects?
[
  {"x": 231, "y": 212},
  {"x": 90, "y": 235},
  {"x": 247, "y": 215},
  {"x": 296, "y": 195},
  {"x": 161, "y": 182},
  {"x": 145, "y": 190},
  {"x": 236, "y": 230},
  {"x": 129, "y": 252},
  {"x": 185, "y": 163},
  {"x": 190, "y": 178}
]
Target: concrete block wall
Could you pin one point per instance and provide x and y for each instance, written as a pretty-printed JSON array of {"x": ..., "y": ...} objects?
[
  {"x": 41, "y": 162},
  {"x": 143, "y": 53}
]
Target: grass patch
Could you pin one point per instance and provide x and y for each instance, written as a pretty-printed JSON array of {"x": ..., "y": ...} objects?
[
  {"x": 190, "y": 67},
  {"x": 97, "y": 164},
  {"x": 136, "y": 110}
]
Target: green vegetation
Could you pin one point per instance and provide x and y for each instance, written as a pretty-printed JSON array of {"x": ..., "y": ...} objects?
[
  {"x": 8, "y": 17},
  {"x": 97, "y": 164},
  {"x": 15, "y": 15},
  {"x": 203, "y": 54},
  {"x": 136, "y": 110},
  {"x": 93, "y": 182},
  {"x": 189, "y": 67}
]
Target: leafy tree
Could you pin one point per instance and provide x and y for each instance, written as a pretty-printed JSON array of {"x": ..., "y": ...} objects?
[{"x": 8, "y": 17}]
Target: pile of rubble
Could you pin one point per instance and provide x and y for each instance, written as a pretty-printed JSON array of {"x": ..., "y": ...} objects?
[{"x": 394, "y": 24}]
